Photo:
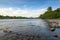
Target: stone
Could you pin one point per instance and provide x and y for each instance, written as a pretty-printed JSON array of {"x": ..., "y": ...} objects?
[{"x": 52, "y": 29}]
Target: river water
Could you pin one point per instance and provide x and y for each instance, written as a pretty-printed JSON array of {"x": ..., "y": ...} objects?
[{"x": 28, "y": 27}]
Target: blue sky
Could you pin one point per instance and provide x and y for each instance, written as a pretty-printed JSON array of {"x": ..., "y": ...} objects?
[{"x": 27, "y": 8}]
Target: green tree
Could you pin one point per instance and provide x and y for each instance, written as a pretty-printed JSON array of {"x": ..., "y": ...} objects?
[
  {"x": 49, "y": 9},
  {"x": 49, "y": 14}
]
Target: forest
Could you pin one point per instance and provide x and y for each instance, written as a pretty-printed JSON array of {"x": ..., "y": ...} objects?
[
  {"x": 12, "y": 17},
  {"x": 51, "y": 14}
]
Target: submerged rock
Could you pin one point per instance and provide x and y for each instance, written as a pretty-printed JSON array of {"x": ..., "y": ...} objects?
[
  {"x": 7, "y": 30},
  {"x": 52, "y": 29},
  {"x": 56, "y": 36}
]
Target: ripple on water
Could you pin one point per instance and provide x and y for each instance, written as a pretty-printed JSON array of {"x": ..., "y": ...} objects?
[{"x": 34, "y": 29}]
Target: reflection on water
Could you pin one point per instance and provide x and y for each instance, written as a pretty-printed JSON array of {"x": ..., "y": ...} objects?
[{"x": 27, "y": 27}]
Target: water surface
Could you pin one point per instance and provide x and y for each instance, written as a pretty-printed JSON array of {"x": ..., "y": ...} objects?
[{"x": 28, "y": 27}]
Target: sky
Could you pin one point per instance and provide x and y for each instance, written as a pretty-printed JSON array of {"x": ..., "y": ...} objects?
[{"x": 26, "y": 8}]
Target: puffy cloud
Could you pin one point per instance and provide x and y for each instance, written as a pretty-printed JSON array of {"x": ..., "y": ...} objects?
[{"x": 21, "y": 12}]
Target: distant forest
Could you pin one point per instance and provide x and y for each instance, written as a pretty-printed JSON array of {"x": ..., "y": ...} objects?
[
  {"x": 51, "y": 14},
  {"x": 12, "y": 17}
]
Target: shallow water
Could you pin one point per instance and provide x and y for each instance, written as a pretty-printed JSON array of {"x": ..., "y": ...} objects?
[{"x": 28, "y": 27}]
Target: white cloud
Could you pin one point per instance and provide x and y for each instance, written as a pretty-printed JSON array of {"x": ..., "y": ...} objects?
[{"x": 21, "y": 12}]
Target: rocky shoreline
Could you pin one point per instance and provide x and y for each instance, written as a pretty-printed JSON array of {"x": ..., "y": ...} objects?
[{"x": 54, "y": 23}]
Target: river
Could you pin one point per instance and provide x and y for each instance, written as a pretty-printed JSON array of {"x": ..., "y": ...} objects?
[{"x": 28, "y": 27}]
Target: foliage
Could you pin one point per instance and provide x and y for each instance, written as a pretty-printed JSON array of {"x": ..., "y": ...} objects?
[
  {"x": 49, "y": 9},
  {"x": 49, "y": 14},
  {"x": 11, "y": 17}
]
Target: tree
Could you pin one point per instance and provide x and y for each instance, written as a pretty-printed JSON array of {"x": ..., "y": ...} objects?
[
  {"x": 49, "y": 9},
  {"x": 49, "y": 14},
  {"x": 58, "y": 10}
]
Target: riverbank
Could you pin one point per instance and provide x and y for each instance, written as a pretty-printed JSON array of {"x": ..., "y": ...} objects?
[{"x": 54, "y": 23}]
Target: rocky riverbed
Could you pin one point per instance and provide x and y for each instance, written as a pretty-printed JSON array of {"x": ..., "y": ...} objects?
[{"x": 16, "y": 36}]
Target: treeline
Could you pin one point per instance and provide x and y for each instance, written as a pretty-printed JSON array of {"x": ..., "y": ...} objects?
[
  {"x": 51, "y": 14},
  {"x": 12, "y": 17}
]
